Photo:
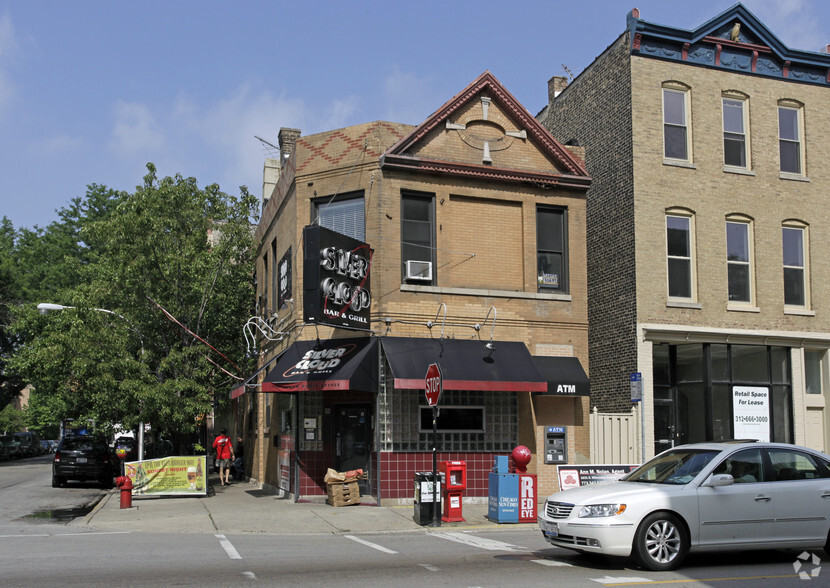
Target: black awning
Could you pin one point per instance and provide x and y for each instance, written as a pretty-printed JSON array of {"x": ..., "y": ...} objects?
[
  {"x": 465, "y": 364},
  {"x": 334, "y": 364},
  {"x": 564, "y": 376}
]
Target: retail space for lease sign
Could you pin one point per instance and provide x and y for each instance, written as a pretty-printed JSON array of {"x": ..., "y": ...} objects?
[{"x": 750, "y": 412}]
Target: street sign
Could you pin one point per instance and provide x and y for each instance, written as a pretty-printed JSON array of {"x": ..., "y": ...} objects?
[
  {"x": 636, "y": 384},
  {"x": 433, "y": 384}
]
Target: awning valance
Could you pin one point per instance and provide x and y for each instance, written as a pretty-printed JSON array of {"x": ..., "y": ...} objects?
[
  {"x": 564, "y": 376},
  {"x": 465, "y": 364},
  {"x": 334, "y": 364}
]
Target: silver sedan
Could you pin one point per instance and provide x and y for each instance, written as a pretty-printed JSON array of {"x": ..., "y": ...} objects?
[{"x": 704, "y": 496}]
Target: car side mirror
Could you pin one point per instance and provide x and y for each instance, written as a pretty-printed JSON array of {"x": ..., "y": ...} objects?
[{"x": 719, "y": 480}]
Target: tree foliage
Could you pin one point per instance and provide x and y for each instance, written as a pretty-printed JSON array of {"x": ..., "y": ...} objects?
[{"x": 161, "y": 284}]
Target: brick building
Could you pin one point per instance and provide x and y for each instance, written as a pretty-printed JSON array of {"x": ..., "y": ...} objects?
[
  {"x": 706, "y": 219},
  {"x": 385, "y": 247}
]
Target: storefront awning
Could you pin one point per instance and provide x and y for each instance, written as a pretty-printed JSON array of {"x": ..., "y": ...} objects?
[
  {"x": 564, "y": 376},
  {"x": 334, "y": 364},
  {"x": 465, "y": 364}
]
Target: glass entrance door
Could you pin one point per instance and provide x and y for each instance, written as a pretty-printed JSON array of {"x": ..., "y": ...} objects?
[{"x": 353, "y": 440}]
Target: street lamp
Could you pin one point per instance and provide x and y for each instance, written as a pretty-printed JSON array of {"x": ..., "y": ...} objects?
[{"x": 47, "y": 307}]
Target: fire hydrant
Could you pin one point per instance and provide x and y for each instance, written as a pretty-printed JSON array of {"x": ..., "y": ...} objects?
[{"x": 126, "y": 486}]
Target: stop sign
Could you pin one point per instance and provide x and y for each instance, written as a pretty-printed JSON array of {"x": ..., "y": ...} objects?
[{"x": 433, "y": 384}]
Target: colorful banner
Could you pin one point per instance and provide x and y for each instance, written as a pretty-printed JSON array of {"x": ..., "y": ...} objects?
[{"x": 178, "y": 475}]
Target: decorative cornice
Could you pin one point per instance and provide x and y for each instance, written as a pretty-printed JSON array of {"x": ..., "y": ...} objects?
[
  {"x": 736, "y": 41},
  {"x": 485, "y": 172},
  {"x": 488, "y": 82}
]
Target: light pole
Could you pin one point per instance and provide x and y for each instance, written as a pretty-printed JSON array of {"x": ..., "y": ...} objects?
[{"x": 47, "y": 307}]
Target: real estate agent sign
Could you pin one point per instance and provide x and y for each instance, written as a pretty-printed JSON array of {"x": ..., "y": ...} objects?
[
  {"x": 336, "y": 279},
  {"x": 750, "y": 410}
]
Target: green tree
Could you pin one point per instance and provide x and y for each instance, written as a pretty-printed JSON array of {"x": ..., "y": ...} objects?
[
  {"x": 11, "y": 420},
  {"x": 173, "y": 263}
]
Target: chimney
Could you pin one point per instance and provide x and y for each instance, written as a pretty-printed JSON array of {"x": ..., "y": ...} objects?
[
  {"x": 287, "y": 141},
  {"x": 555, "y": 86}
]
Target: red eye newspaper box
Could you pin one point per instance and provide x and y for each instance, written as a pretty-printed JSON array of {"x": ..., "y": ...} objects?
[{"x": 454, "y": 474}]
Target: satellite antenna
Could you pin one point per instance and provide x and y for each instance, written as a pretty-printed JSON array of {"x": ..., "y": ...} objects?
[{"x": 269, "y": 147}]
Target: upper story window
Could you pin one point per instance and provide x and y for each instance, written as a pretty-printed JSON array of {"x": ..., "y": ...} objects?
[
  {"x": 343, "y": 213},
  {"x": 552, "y": 249},
  {"x": 739, "y": 260},
  {"x": 790, "y": 143},
  {"x": 735, "y": 124},
  {"x": 418, "y": 237},
  {"x": 794, "y": 240},
  {"x": 680, "y": 255},
  {"x": 676, "y": 122}
]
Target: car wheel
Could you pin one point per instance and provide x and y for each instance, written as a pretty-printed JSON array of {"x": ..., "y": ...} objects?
[
  {"x": 57, "y": 481},
  {"x": 827, "y": 545},
  {"x": 661, "y": 542}
]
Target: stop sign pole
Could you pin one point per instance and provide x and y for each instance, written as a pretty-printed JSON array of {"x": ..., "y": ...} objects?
[{"x": 433, "y": 383}]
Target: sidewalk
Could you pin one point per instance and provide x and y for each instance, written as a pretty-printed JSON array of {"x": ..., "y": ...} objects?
[{"x": 244, "y": 508}]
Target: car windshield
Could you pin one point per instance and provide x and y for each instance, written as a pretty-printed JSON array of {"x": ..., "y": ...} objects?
[{"x": 673, "y": 467}]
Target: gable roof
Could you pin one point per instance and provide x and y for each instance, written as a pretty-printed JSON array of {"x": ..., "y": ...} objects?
[
  {"x": 749, "y": 48},
  {"x": 399, "y": 155}
]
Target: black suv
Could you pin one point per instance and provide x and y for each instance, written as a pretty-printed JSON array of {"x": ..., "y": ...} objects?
[{"x": 82, "y": 458}]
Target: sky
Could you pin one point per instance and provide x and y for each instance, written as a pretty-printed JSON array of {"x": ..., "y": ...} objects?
[{"x": 93, "y": 90}]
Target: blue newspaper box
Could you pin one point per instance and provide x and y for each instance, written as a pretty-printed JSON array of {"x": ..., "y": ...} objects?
[{"x": 512, "y": 496}]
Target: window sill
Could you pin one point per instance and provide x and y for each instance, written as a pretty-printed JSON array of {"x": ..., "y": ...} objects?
[
  {"x": 683, "y": 304},
  {"x": 490, "y": 293},
  {"x": 741, "y": 307},
  {"x": 799, "y": 311},
  {"x": 793, "y": 177},
  {"x": 741, "y": 171},
  {"x": 679, "y": 163}
]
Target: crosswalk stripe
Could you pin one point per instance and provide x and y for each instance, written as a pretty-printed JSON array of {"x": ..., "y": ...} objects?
[{"x": 479, "y": 542}]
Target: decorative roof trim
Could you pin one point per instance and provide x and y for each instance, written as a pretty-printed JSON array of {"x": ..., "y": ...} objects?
[
  {"x": 487, "y": 81},
  {"x": 757, "y": 51},
  {"x": 486, "y": 172}
]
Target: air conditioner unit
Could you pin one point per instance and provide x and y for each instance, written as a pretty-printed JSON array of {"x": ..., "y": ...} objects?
[{"x": 419, "y": 270}]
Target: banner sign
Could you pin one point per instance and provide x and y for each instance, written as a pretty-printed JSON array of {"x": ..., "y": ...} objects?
[
  {"x": 750, "y": 409},
  {"x": 573, "y": 476},
  {"x": 336, "y": 279},
  {"x": 284, "y": 290},
  {"x": 182, "y": 475}
]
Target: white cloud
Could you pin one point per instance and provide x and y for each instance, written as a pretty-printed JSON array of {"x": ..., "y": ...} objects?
[
  {"x": 408, "y": 98},
  {"x": 795, "y": 22},
  {"x": 135, "y": 131}
]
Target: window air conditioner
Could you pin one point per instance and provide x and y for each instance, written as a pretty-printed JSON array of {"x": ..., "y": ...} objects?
[{"x": 419, "y": 270}]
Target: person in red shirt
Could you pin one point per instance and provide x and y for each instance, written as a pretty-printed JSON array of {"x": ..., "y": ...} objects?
[{"x": 224, "y": 456}]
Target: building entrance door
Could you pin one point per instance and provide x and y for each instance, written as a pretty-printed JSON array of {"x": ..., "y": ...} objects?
[{"x": 353, "y": 440}]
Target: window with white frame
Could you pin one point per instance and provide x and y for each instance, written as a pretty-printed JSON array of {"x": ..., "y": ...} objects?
[
  {"x": 794, "y": 249},
  {"x": 676, "y": 123},
  {"x": 735, "y": 123},
  {"x": 739, "y": 246},
  {"x": 552, "y": 249},
  {"x": 790, "y": 144},
  {"x": 680, "y": 255}
]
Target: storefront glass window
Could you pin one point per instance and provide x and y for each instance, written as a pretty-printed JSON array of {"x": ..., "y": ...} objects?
[
  {"x": 749, "y": 364},
  {"x": 780, "y": 364},
  {"x": 813, "y": 363},
  {"x": 782, "y": 414},
  {"x": 689, "y": 363},
  {"x": 692, "y": 413},
  {"x": 721, "y": 412},
  {"x": 720, "y": 363}
]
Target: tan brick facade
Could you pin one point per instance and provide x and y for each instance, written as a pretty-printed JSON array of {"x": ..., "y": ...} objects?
[
  {"x": 615, "y": 110},
  {"x": 484, "y": 235}
]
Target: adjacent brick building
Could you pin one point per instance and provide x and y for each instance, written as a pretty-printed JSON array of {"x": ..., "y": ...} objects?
[
  {"x": 464, "y": 245},
  {"x": 707, "y": 223}
]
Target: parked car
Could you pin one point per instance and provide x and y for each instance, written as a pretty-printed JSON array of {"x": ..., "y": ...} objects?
[
  {"x": 11, "y": 446},
  {"x": 83, "y": 458},
  {"x": 29, "y": 444},
  {"x": 701, "y": 497}
]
